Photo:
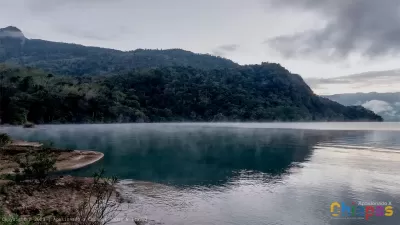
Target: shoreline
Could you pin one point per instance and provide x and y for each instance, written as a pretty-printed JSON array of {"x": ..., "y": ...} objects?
[
  {"x": 60, "y": 198},
  {"x": 64, "y": 195},
  {"x": 211, "y": 122},
  {"x": 97, "y": 156},
  {"x": 66, "y": 160},
  {"x": 20, "y": 143}
]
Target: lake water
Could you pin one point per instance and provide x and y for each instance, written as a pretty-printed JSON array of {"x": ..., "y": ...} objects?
[{"x": 241, "y": 173}]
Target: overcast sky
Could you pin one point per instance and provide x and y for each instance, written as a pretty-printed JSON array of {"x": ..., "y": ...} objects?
[{"x": 318, "y": 39}]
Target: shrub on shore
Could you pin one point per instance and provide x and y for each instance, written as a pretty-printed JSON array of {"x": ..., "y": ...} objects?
[
  {"x": 4, "y": 139},
  {"x": 29, "y": 125},
  {"x": 36, "y": 165},
  {"x": 98, "y": 208}
]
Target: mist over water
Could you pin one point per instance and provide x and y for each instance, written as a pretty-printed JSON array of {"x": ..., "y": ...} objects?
[{"x": 240, "y": 173}]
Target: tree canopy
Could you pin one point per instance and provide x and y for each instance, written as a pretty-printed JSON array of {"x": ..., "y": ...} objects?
[
  {"x": 106, "y": 85},
  {"x": 266, "y": 92}
]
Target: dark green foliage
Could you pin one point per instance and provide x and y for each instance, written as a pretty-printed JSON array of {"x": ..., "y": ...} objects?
[
  {"x": 36, "y": 165},
  {"x": 3, "y": 190},
  {"x": 266, "y": 92},
  {"x": 7, "y": 176},
  {"x": 29, "y": 125},
  {"x": 152, "y": 86},
  {"x": 4, "y": 139}
]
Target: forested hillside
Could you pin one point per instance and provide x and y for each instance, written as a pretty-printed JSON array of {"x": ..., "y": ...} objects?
[
  {"x": 108, "y": 85},
  {"x": 266, "y": 92},
  {"x": 73, "y": 59}
]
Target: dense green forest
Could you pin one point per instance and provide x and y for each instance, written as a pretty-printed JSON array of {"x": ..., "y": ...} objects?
[
  {"x": 108, "y": 85},
  {"x": 266, "y": 92},
  {"x": 73, "y": 59}
]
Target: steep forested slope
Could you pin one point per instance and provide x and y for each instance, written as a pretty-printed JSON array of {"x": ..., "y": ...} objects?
[{"x": 266, "y": 92}]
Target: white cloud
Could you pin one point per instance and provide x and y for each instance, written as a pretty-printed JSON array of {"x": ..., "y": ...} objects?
[
  {"x": 379, "y": 107},
  {"x": 375, "y": 81}
]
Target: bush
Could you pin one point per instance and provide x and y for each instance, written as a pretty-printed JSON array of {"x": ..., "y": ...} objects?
[
  {"x": 3, "y": 190},
  {"x": 4, "y": 139},
  {"x": 98, "y": 207},
  {"x": 7, "y": 176},
  {"x": 29, "y": 125},
  {"x": 36, "y": 165},
  {"x": 48, "y": 145}
]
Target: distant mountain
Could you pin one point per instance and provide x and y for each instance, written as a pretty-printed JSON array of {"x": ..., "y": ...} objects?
[
  {"x": 73, "y": 59},
  {"x": 386, "y": 105}
]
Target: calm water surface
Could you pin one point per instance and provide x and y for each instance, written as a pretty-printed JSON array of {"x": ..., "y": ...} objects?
[{"x": 241, "y": 173}]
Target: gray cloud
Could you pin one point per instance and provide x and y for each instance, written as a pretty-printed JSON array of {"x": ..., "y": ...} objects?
[
  {"x": 222, "y": 50},
  {"x": 359, "y": 81},
  {"x": 317, "y": 82},
  {"x": 89, "y": 19},
  {"x": 367, "y": 27},
  {"x": 46, "y": 5},
  {"x": 14, "y": 34},
  {"x": 112, "y": 33}
]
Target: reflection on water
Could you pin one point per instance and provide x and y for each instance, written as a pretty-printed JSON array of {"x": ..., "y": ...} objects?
[
  {"x": 241, "y": 173},
  {"x": 185, "y": 155}
]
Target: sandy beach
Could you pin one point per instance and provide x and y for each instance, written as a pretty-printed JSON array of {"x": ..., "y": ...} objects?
[{"x": 66, "y": 160}]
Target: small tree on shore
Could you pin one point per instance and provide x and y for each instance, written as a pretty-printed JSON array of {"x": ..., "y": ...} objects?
[
  {"x": 36, "y": 164},
  {"x": 99, "y": 208},
  {"x": 4, "y": 139}
]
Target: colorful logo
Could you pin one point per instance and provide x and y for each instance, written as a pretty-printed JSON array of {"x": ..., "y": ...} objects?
[{"x": 361, "y": 210}]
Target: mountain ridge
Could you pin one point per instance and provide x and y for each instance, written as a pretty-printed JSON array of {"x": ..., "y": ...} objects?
[
  {"x": 151, "y": 86},
  {"x": 74, "y": 59}
]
